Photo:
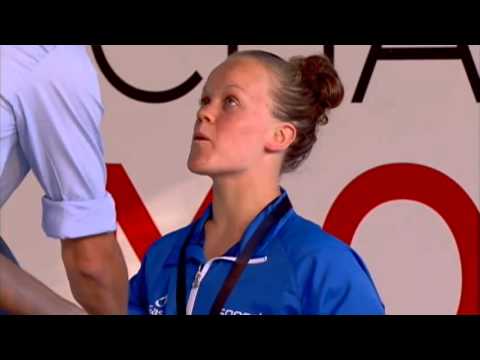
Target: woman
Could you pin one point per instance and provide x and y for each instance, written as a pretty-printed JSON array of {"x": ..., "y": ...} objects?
[{"x": 251, "y": 253}]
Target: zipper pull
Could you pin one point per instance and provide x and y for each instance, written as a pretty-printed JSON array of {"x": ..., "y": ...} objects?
[{"x": 198, "y": 275}]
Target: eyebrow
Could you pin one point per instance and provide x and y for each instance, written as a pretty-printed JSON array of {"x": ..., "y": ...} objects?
[
  {"x": 236, "y": 86},
  {"x": 230, "y": 86}
]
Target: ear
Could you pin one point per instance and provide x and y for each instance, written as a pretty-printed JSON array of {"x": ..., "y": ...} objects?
[{"x": 282, "y": 136}]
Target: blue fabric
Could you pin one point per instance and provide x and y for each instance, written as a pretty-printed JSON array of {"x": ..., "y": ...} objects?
[{"x": 306, "y": 272}]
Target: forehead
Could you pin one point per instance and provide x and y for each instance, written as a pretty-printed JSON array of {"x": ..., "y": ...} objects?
[{"x": 247, "y": 73}]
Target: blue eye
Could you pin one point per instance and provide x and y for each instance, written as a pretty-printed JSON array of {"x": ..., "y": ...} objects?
[{"x": 231, "y": 101}]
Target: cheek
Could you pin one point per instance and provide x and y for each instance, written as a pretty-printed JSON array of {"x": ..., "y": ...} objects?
[{"x": 241, "y": 137}]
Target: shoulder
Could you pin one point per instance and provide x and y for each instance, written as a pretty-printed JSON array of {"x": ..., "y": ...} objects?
[
  {"x": 302, "y": 237},
  {"x": 330, "y": 275},
  {"x": 42, "y": 73},
  {"x": 160, "y": 251},
  {"x": 312, "y": 251}
]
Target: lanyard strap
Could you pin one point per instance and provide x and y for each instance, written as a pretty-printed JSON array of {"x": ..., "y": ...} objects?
[{"x": 242, "y": 261}]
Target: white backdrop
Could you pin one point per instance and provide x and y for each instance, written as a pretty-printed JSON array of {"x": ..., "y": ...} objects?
[{"x": 414, "y": 111}]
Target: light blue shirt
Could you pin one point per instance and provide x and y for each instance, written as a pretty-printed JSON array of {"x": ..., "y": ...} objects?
[{"x": 50, "y": 115}]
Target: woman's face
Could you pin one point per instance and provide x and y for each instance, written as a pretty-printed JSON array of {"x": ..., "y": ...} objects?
[{"x": 234, "y": 121}]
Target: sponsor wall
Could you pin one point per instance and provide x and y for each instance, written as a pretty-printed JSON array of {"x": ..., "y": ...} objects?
[{"x": 396, "y": 173}]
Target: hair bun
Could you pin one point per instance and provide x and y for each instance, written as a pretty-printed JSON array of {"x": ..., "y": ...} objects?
[{"x": 321, "y": 80}]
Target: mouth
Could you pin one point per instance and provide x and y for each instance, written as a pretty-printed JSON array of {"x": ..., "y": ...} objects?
[{"x": 200, "y": 138}]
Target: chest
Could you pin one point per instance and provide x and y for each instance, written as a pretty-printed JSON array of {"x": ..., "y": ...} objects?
[{"x": 265, "y": 288}]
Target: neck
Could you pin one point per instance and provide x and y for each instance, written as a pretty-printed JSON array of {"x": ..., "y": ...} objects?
[{"x": 238, "y": 200}]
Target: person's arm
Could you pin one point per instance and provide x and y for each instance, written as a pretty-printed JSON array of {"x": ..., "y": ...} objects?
[
  {"x": 97, "y": 273},
  {"x": 21, "y": 294},
  {"x": 58, "y": 122}
]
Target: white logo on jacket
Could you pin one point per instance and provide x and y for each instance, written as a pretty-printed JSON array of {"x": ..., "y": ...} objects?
[
  {"x": 158, "y": 307},
  {"x": 235, "y": 312}
]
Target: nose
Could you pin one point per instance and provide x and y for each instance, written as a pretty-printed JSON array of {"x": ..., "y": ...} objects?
[{"x": 205, "y": 114}]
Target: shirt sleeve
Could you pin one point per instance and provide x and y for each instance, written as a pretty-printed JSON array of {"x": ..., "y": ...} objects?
[
  {"x": 58, "y": 123},
  {"x": 338, "y": 284},
  {"x": 137, "y": 298}
]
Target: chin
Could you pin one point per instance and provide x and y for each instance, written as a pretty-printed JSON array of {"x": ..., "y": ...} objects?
[
  {"x": 205, "y": 166},
  {"x": 205, "y": 169},
  {"x": 199, "y": 167}
]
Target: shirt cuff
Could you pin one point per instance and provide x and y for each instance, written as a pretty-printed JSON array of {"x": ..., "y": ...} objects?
[{"x": 75, "y": 219}]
